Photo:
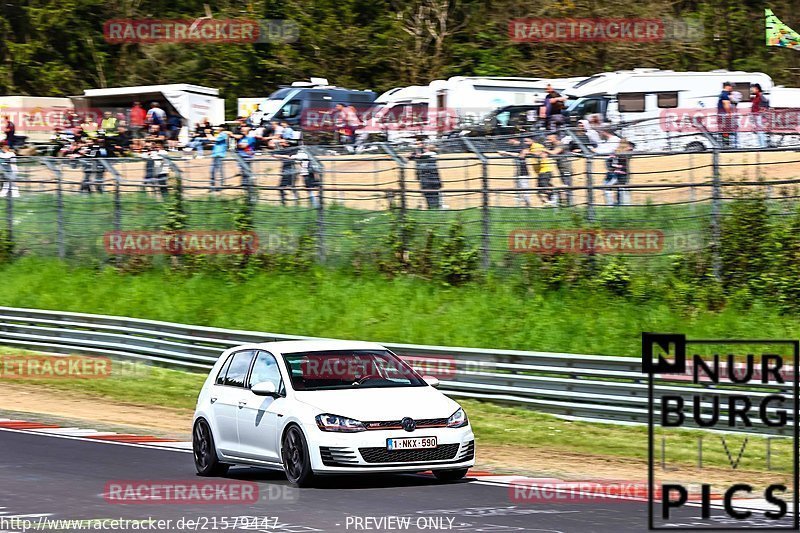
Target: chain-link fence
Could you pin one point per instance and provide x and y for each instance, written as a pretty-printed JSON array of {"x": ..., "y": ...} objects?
[{"x": 351, "y": 201}]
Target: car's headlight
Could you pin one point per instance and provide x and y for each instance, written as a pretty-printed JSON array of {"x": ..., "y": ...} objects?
[
  {"x": 458, "y": 419},
  {"x": 327, "y": 422}
]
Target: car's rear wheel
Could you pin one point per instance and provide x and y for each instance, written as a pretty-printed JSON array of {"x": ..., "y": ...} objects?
[
  {"x": 450, "y": 475},
  {"x": 296, "y": 457},
  {"x": 205, "y": 453}
]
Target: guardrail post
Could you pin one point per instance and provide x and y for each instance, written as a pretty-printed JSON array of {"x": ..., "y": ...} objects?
[
  {"x": 485, "y": 211},
  {"x": 716, "y": 201}
]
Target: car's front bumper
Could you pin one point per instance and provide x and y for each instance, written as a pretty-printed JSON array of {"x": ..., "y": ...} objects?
[{"x": 366, "y": 451}]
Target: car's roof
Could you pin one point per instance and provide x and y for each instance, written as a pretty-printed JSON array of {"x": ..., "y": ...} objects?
[{"x": 318, "y": 345}]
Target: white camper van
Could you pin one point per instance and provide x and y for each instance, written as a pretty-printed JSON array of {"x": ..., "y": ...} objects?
[
  {"x": 445, "y": 105},
  {"x": 646, "y": 103}
]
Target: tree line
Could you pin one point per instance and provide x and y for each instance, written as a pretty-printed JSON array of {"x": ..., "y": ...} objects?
[{"x": 57, "y": 47}]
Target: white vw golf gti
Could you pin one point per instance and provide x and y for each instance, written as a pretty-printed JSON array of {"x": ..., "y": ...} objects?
[{"x": 327, "y": 407}]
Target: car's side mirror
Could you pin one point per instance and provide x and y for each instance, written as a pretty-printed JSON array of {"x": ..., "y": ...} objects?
[
  {"x": 265, "y": 388},
  {"x": 432, "y": 381}
]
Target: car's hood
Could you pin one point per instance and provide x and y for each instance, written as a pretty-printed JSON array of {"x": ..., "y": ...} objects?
[{"x": 381, "y": 404}]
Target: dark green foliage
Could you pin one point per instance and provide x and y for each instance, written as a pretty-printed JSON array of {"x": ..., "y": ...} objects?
[{"x": 57, "y": 47}]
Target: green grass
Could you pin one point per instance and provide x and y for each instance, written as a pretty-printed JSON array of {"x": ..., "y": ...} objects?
[{"x": 338, "y": 304}]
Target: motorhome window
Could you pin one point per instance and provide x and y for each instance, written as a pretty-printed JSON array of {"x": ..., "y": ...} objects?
[
  {"x": 291, "y": 109},
  {"x": 631, "y": 102},
  {"x": 590, "y": 79},
  {"x": 744, "y": 88},
  {"x": 667, "y": 100}
]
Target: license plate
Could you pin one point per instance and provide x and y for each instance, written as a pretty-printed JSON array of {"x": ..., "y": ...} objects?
[{"x": 415, "y": 443}]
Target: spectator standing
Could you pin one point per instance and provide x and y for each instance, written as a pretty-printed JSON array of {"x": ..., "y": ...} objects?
[
  {"x": 619, "y": 174},
  {"x": 558, "y": 151},
  {"x": 218, "y": 153},
  {"x": 156, "y": 170},
  {"x": 109, "y": 124},
  {"x": 138, "y": 119},
  {"x": 245, "y": 149},
  {"x": 545, "y": 169},
  {"x": 174, "y": 125},
  {"x": 761, "y": 115},
  {"x": 10, "y": 131},
  {"x": 288, "y": 176},
  {"x": 157, "y": 116},
  {"x": 93, "y": 169},
  {"x": 8, "y": 165},
  {"x": 725, "y": 114},
  {"x": 553, "y": 108},
  {"x": 428, "y": 174},
  {"x": 522, "y": 179},
  {"x": 256, "y": 118}
]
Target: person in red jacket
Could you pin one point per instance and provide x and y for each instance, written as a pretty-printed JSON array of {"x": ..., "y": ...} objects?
[{"x": 138, "y": 117}]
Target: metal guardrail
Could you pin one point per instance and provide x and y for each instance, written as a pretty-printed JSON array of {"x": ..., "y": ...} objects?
[{"x": 590, "y": 387}]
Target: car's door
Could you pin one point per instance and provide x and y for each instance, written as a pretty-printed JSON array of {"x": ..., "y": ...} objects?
[
  {"x": 228, "y": 392},
  {"x": 258, "y": 417}
]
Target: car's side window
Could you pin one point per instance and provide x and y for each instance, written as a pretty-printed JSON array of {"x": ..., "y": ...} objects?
[
  {"x": 266, "y": 369},
  {"x": 240, "y": 364},
  {"x": 222, "y": 371}
]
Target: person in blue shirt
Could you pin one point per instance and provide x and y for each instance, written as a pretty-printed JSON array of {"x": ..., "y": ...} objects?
[
  {"x": 246, "y": 143},
  {"x": 218, "y": 153},
  {"x": 724, "y": 113}
]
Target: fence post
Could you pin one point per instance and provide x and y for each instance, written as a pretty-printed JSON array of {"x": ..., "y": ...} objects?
[
  {"x": 117, "y": 193},
  {"x": 485, "y": 212},
  {"x": 9, "y": 186},
  {"x": 590, "y": 215},
  {"x": 588, "y": 154},
  {"x": 401, "y": 165},
  {"x": 60, "y": 229},
  {"x": 716, "y": 200},
  {"x": 317, "y": 165}
]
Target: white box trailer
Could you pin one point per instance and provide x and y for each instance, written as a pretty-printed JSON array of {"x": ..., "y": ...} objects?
[
  {"x": 192, "y": 102},
  {"x": 651, "y": 105},
  {"x": 445, "y": 105},
  {"x": 35, "y": 117}
]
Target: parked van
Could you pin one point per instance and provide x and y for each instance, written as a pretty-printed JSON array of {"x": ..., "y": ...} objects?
[
  {"x": 460, "y": 103},
  {"x": 642, "y": 101},
  {"x": 309, "y": 106}
]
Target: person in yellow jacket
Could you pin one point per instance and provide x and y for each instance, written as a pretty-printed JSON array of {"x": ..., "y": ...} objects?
[
  {"x": 544, "y": 167},
  {"x": 109, "y": 124}
]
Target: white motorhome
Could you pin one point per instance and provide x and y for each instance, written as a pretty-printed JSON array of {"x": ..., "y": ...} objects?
[
  {"x": 445, "y": 105},
  {"x": 192, "y": 103},
  {"x": 647, "y": 103}
]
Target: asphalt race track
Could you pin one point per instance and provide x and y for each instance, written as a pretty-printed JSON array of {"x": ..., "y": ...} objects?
[{"x": 62, "y": 478}]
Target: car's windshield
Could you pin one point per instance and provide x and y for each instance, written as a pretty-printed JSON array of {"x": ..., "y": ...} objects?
[{"x": 349, "y": 369}]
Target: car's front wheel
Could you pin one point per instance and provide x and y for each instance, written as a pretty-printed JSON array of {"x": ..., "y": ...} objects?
[
  {"x": 296, "y": 457},
  {"x": 205, "y": 453},
  {"x": 450, "y": 475}
]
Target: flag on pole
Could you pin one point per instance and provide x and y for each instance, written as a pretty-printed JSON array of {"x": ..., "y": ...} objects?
[{"x": 779, "y": 34}]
